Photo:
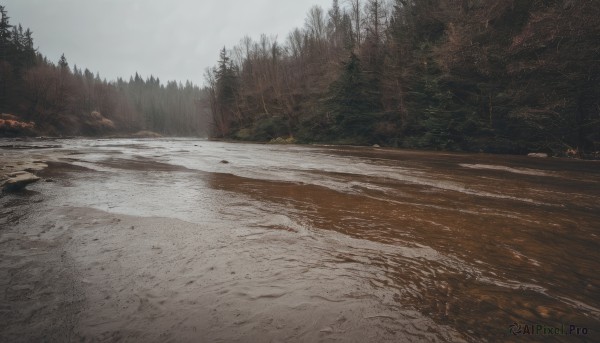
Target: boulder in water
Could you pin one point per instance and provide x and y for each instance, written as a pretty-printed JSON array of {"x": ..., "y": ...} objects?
[
  {"x": 19, "y": 180},
  {"x": 538, "y": 155}
]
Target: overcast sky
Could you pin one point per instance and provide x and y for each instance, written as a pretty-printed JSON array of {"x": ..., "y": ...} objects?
[{"x": 171, "y": 39}]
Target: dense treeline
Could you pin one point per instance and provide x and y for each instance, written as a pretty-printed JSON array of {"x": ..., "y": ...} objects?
[
  {"x": 499, "y": 76},
  {"x": 38, "y": 97}
]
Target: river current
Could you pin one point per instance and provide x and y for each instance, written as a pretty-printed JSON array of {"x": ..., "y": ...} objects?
[{"x": 192, "y": 240}]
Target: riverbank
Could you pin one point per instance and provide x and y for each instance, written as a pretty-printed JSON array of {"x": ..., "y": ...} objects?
[
  {"x": 18, "y": 170},
  {"x": 567, "y": 153}
]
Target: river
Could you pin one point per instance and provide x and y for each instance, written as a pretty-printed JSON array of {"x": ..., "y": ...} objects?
[{"x": 181, "y": 240}]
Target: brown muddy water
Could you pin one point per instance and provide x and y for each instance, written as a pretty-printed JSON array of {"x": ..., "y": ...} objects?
[{"x": 158, "y": 241}]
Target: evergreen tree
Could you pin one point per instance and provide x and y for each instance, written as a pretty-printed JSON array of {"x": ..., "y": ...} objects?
[
  {"x": 226, "y": 93},
  {"x": 5, "y": 46},
  {"x": 62, "y": 63},
  {"x": 5, "y": 32},
  {"x": 353, "y": 102},
  {"x": 29, "y": 51}
]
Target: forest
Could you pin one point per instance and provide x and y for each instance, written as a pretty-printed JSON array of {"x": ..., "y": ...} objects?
[
  {"x": 39, "y": 97},
  {"x": 504, "y": 76}
]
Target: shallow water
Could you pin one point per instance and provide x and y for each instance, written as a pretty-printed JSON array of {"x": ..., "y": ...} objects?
[{"x": 288, "y": 243}]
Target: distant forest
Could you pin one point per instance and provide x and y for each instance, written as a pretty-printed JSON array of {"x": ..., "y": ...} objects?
[
  {"x": 38, "y": 97},
  {"x": 506, "y": 76}
]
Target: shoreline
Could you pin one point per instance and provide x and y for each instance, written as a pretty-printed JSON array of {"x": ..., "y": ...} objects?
[
  {"x": 33, "y": 161},
  {"x": 591, "y": 156}
]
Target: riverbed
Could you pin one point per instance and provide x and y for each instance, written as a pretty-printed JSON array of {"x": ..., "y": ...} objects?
[{"x": 184, "y": 240}]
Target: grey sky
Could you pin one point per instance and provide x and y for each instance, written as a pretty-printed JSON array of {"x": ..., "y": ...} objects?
[{"x": 171, "y": 39}]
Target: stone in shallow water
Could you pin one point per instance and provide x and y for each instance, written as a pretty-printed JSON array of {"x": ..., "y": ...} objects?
[
  {"x": 538, "y": 155},
  {"x": 19, "y": 180}
]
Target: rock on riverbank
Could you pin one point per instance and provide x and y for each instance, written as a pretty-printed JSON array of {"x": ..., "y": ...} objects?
[{"x": 16, "y": 176}]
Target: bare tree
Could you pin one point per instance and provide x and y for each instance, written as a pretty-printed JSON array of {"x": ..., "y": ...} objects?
[
  {"x": 356, "y": 15},
  {"x": 315, "y": 23}
]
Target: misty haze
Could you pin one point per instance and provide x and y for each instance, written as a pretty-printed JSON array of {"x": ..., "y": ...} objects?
[{"x": 306, "y": 171}]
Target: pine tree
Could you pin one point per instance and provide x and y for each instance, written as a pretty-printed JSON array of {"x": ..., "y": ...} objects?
[
  {"x": 4, "y": 31},
  {"x": 62, "y": 63},
  {"x": 29, "y": 51},
  {"x": 226, "y": 92},
  {"x": 4, "y": 47},
  {"x": 353, "y": 102}
]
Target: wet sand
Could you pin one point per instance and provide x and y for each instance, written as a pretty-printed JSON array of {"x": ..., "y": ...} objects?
[{"x": 157, "y": 241}]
